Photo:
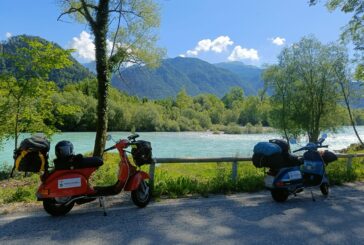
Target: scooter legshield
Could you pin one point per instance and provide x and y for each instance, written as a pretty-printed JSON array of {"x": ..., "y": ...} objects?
[
  {"x": 134, "y": 181},
  {"x": 66, "y": 183}
]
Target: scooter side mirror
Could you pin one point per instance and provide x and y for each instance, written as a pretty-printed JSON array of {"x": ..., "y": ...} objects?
[
  {"x": 324, "y": 136},
  {"x": 108, "y": 137}
]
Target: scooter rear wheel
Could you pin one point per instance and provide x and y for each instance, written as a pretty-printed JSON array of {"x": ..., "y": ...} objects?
[
  {"x": 142, "y": 195},
  {"x": 54, "y": 208},
  {"x": 279, "y": 195}
]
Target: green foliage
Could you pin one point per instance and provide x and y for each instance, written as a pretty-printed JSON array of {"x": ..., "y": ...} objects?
[
  {"x": 359, "y": 73},
  {"x": 235, "y": 94},
  {"x": 353, "y": 31},
  {"x": 70, "y": 74},
  {"x": 27, "y": 105},
  {"x": 306, "y": 91},
  {"x": 233, "y": 128},
  {"x": 75, "y": 110},
  {"x": 359, "y": 116},
  {"x": 5, "y": 171},
  {"x": 21, "y": 194}
]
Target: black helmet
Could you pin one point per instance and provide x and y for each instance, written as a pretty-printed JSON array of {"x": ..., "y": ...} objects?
[{"x": 64, "y": 149}]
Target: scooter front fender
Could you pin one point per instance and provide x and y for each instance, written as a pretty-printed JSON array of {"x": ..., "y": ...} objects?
[{"x": 135, "y": 180}]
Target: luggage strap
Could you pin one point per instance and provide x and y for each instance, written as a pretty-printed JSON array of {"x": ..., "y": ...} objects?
[{"x": 23, "y": 153}]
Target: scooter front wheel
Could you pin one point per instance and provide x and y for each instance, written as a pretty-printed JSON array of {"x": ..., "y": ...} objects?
[
  {"x": 324, "y": 188},
  {"x": 54, "y": 208},
  {"x": 141, "y": 196},
  {"x": 279, "y": 195}
]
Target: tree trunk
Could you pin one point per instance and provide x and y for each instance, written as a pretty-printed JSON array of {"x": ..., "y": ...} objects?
[
  {"x": 103, "y": 75},
  {"x": 350, "y": 113},
  {"x": 16, "y": 135},
  {"x": 16, "y": 128}
]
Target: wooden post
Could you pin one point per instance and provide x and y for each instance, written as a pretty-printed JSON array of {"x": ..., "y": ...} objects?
[
  {"x": 234, "y": 171},
  {"x": 151, "y": 175}
]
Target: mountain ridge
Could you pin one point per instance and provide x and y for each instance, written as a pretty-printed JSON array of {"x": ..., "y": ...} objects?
[{"x": 194, "y": 75}]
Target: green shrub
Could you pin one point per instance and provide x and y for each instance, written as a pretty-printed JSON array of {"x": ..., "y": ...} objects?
[
  {"x": 5, "y": 170},
  {"x": 233, "y": 128},
  {"x": 20, "y": 194}
]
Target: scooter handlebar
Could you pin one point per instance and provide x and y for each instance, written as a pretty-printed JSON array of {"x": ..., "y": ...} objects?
[
  {"x": 110, "y": 148},
  {"x": 306, "y": 148}
]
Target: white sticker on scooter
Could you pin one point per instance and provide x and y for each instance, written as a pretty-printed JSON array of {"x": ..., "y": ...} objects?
[
  {"x": 69, "y": 183},
  {"x": 293, "y": 175}
]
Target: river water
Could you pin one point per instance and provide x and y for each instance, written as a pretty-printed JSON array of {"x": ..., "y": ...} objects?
[{"x": 186, "y": 144}]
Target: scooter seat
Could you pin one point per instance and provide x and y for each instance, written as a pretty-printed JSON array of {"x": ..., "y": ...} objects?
[
  {"x": 91, "y": 162},
  {"x": 78, "y": 162}
]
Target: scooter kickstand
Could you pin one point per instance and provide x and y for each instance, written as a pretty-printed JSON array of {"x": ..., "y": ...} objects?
[
  {"x": 102, "y": 204},
  {"x": 313, "y": 198}
]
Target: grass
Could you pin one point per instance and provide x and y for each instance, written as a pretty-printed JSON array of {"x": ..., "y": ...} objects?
[{"x": 178, "y": 180}]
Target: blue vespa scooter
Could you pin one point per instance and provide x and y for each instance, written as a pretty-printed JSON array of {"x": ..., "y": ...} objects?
[{"x": 292, "y": 180}]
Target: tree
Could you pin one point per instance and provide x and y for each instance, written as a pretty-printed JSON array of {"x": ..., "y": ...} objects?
[
  {"x": 306, "y": 85},
  {"x": 279, "y": 78},
  {"x": 359, "y": 74},
  {"x": 354, "y": 30},
  {"x": 235, "y": 94},
  {"x": 183, "y": 101},
  {"x": 26, "y": 105},
  {"x": 342, "y": 75},
  {"x": 129, "y": 25}
]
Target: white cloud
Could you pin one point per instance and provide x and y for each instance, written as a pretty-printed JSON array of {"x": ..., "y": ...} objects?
[
  {"x": 221, "y": 43},
  {"x": 240, "y": 53},
  {"x": 182, "y": 55},
  {"x": 192, "y": 53},
  {"x": 84, "y": 46},
  {"x": 217, "y": 45},
  {"x": 8, "y": 35},
  {"x": 279, "y": 41}
]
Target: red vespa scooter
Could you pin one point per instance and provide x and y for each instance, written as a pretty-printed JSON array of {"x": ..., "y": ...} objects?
[{"x": 69, "y": 184}]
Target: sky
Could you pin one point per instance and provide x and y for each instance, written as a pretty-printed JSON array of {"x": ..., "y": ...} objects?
[{"x": 253, "y": 32}]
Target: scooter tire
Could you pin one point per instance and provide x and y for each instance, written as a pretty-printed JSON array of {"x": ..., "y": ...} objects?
[
  {"x": 279, "y": 195},
  {"x": 52, "y": 207},
  {"x": 142, "y": 195},
  {"x": 324, "y": 188}
]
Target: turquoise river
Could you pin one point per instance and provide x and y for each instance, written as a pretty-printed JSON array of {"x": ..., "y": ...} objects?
[{"x": 185, "y": 144}]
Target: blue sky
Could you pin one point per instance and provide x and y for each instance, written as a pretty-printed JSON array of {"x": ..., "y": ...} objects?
[{"x": 253, "y": 32}]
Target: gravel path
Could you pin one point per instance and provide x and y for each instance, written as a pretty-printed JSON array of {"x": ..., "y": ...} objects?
[{"x": 232, "y": 219}]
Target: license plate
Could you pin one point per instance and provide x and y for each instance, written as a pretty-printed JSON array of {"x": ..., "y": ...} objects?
[
  {"x": 69, "y": 183},
  {"x": 268, "y": 181}
]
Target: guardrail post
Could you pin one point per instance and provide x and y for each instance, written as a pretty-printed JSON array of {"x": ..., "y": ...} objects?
[
  {"x": 151, "y": 176},
  {"x": 349, "y": 165},
  {"x": 234, "y": 171}
]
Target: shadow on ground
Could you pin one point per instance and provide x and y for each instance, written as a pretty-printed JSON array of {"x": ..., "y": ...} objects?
[{"x": 235, "y": 219}]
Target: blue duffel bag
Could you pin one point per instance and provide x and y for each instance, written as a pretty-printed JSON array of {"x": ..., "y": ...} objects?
[{"x": 267, "y": 149}]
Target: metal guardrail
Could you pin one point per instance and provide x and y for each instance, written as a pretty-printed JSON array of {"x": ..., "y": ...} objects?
[{"x": 233, "y": 160}]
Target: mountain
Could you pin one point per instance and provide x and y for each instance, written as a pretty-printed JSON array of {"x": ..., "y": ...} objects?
[
  {"x": 251, "y": 75},
  {"x": 194, "y": 75},
  {"x": 72, "y": 74}
]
